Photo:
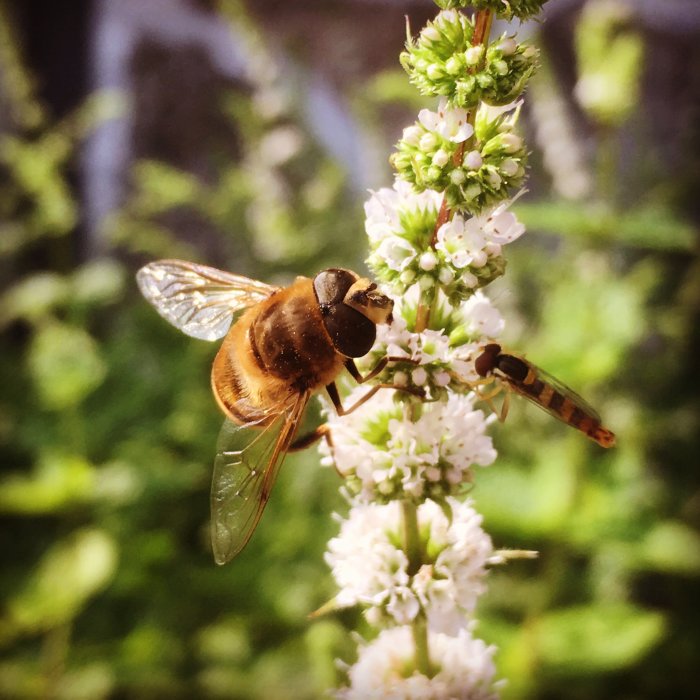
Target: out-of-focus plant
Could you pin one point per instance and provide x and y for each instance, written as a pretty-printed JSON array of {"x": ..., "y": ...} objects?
[
  {"x": 107, "y": 424},
  {"x": 107, "y": 427}
]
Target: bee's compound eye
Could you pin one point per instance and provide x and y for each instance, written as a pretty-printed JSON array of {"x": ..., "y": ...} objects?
[
  {"x": 352, "y": 333},
  {"x": 332, "y": 285}
]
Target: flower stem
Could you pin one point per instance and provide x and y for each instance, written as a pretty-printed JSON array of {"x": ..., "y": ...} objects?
[
  {"x": 482, "y": 29},
  {"x": 411, "y": 536},
  {"x": 412, "y": 547},
  {"x": 420, "y": 640}
]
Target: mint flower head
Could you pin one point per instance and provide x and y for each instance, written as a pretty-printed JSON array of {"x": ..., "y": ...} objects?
[
  {"x": 463, "y": 255},
  {"x": 410, "y": 553},
  {"x": 443, "y": 61},
  {"x": 371, "y": 568}
]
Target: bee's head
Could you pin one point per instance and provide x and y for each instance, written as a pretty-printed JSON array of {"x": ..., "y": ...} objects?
[
  {"x": 363, "y": 296},
  {"x": 351, "y": 308}
]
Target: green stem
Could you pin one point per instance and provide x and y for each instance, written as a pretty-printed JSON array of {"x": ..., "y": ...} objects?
[
  {"x": 420, "y": 640},
  {"x": 413, "y": 549},
  {"x": 411, "y": 536}
]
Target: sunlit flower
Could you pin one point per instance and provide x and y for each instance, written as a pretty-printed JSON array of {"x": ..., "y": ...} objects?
[
  {"x": 462, "y": 242},
  {"x": 384, "y": 208},
  {"x": 384, "y": 454},
  {"x": 384, "y": 670},
  {"x": 371, "y": 568},
  {"x": 450, "y": 123}
]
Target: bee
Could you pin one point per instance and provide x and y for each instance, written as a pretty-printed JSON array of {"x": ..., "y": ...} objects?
[
  {"x": 286, "y": 344},
  {"x": 544, "y": 390}
]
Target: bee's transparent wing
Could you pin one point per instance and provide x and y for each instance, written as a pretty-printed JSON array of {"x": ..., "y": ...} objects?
[
  {"x": 199, "y": 300},
  {"x": 243, "y": 478}
]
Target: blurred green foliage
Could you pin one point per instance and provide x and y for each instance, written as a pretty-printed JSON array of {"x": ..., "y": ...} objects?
[{"x": 107, "y": 433}]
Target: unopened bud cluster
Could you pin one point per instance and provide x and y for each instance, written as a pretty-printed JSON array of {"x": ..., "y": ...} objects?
[
  {"x": 431, "y": 155},
  {"x": 443, "y": 61},
  {"x": 522, "y": 9}
]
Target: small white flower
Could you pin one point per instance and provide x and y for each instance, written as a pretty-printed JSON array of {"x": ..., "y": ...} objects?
[
  {"x": 450, "y": 123},
  {"x": 481, "y": 317},
  {"x": 446, "y": 275},
  {"x": 441, "y": 158},
  {"x": 465, "y": 669},
  {"x": 508, "y": 46},
  {"x": 459, "y": 241},
  {"x": 396, "y": 252},
  {"x": 384, "y": 208},
  {"x": 510, "y": 167},
  {"x": 511, "y": 142},
  {"x": 500, "y": 225},
  {"x": 473, "y": 54},
  {"x": 419, "y": 376},
  {"x": 428, "y": 142},
  {"x": 411, "y": 135}
]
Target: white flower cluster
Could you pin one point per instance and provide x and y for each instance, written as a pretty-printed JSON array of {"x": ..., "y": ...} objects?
[
  {"x": 472, "y": 241},
  {"x": 411, "y": 554},
  {"x": 372, "y": 569},
  {"x": 400, "y": 225},
  {"x": 423, "y": 453},
  {"x": 436, "y": 360},
  {"x": 384, "y": 453},
  {"x": 464, "y": 669}
]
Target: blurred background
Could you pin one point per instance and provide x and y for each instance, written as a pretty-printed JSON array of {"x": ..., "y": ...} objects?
[{"x": 245, "y": 135}]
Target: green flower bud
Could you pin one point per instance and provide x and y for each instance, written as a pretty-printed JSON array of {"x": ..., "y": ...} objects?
[{"x": 522, "y": 9}]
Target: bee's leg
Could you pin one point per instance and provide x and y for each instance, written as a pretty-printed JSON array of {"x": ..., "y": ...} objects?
[
  {"x": 332, "y": 390},
  {"x": 383, "y": 362},
  {"x": 323, "y": 431}
]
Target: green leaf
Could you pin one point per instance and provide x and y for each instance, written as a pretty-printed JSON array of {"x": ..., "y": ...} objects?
[
  {"x": 671, "y": 547},
  {"x": 652, "y": 225},
  {"x": 67, "y": 576},
  {"x": 533, "y": 503},
  {"x": 65, "y": 364},
  {"x": 98, "y": 282},
  {"x": 33, "y": 297},
  {"x": 57, "y": 482},
  {"x": 593, "y": 638}
]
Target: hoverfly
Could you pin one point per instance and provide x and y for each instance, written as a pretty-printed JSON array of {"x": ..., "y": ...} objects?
[
  {"x": 544, "y": 390},
  {"x": 288, "y": 343}
]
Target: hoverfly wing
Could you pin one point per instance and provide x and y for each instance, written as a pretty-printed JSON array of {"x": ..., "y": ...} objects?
[
  {"x": 559, "y": 388},
  {"x": 565, "y": 404},
  {"x": 243, "y": 478},
  {"x": 199, "y": 300}
]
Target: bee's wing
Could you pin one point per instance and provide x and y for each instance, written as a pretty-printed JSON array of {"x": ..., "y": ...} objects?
[
  {"x": 244, "y": 478},
  {"x": 558, "y": 386},
  {"x": 199, "y": 300}
]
